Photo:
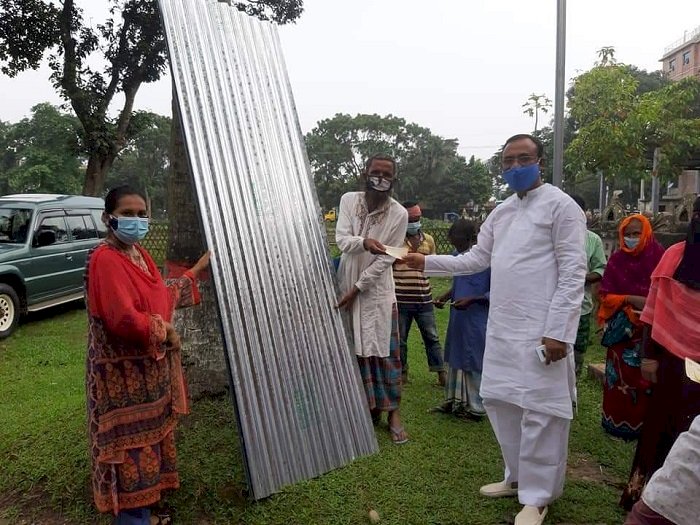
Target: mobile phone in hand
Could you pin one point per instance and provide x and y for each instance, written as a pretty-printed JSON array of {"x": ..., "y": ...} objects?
[{"x": 542, "y": 353}]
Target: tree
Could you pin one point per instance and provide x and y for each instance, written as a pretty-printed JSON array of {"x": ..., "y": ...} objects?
[
  {"x": 464, "y": 181},
  {"x": 339, "y": 146},
  {"x": 145, "y": 161},
  {"x": 606, "y": 56},
  {"x": 130, "y": 44},
  {"x": 621, "y": 114},
  {"x": 535, "y": 104},
  {"x": 41, "y": 153},
  {"x": 133, "y": 51},
  {"x": 600, "y": 103},
  {"x": 7, "y": 156},
  {"x": 669, "y": 119},
  {"x": 647, "y": 80}
]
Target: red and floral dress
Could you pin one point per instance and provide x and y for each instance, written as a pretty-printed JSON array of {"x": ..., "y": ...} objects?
[{"x": 135, "y": 384}]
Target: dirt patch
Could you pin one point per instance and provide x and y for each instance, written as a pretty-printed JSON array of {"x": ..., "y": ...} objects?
[
  {"x": 33, "y": 508},
  {"x": 584, "y": 468}
]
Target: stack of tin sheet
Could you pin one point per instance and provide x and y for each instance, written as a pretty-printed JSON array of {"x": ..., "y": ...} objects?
[{"x": 298, "y": 394}]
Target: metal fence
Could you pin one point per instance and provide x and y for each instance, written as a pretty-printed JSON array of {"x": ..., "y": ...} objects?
[
  {"x": 442, "y": 243},
  {"x": 156, "y": 242}
]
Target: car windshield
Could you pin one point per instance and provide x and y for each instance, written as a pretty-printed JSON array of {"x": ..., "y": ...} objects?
[{"x": 14, "y": 225}]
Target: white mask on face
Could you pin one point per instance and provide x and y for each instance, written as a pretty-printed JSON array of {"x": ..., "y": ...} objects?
[{"x": 379, "y": 184}]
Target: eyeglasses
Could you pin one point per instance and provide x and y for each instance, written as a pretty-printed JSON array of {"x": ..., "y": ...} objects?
[{"x": 522, "y": 160}]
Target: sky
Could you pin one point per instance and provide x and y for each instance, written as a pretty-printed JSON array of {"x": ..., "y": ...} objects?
[{"x": 462, "y": 68}]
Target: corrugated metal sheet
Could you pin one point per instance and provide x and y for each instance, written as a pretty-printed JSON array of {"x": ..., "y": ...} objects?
[{"x": 299, "y": 398}]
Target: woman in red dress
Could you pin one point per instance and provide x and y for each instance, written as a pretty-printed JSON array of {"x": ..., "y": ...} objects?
[
  {"x": 135, "y": 383},
  {"x": 623, "y": 292}
]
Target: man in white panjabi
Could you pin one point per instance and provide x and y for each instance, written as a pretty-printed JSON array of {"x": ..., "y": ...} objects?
[
  {"x": 534, "y": 244},
  {"x": 367, "y": 221}
]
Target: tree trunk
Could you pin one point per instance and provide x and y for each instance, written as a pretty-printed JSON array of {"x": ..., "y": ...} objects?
[
  {"x": 199, "y": 327},
  {"x": 96, "y": 173}
]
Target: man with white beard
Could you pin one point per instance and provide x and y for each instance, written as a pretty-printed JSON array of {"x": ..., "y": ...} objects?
[{"x": 367, "y": 221}]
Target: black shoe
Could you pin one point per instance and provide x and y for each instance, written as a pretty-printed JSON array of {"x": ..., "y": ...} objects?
[
  {"x": 468, "y": 414},
  {"x": 445, "y": 408}
]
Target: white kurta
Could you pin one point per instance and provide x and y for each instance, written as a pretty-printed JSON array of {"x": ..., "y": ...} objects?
[
  {"x": 535, "y": 248},
  {"x": 372, "y": 310}
]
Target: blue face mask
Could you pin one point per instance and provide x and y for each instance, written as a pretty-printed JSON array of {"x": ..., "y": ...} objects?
[
  {"x": 129, "y": 230},
  {"x": 413, "y": 228},
  {"x": 631, "y": 242},
  {"x": 522, "y": 178}
]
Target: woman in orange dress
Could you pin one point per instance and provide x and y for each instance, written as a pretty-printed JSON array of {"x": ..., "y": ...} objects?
[{"x": 135, "y": 383}]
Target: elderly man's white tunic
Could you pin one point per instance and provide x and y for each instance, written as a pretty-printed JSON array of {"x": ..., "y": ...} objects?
[{"x": 371, "y": 274}]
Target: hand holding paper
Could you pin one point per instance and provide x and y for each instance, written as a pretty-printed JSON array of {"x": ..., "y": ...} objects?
[{"x": 396, "y": 253}]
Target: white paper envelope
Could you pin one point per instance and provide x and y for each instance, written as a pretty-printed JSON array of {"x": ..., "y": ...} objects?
[
  {"x": 692, "y": 370},
  {"x": 396, "y": 253}
]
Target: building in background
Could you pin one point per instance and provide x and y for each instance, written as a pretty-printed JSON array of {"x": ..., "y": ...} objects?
[{"x": 682, "y": 58}]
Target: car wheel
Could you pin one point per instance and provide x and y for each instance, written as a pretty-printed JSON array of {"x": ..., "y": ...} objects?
[{"x": 9, "y": 310}]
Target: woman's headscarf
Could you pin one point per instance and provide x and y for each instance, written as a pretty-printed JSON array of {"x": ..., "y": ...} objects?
[
  {"x": 628, "y": 271},
  {"x": 646, "y": 236},
  {"x": 688, "y": 271}
]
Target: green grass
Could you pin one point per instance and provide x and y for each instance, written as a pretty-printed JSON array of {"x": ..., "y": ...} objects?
[{"x": 434, "y": 479}]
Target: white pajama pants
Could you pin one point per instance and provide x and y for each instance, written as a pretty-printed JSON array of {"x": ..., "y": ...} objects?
[{"x": 535, "y": 449}]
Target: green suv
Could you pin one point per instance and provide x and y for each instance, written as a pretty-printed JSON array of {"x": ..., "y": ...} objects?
[{"x": 44, "y": 242}]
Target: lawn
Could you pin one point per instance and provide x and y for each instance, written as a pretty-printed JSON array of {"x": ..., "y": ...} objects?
[{"x": 434, "y": 479}]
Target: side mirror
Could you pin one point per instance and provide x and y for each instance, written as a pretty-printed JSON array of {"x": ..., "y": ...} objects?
[{"x": 45, "y": 238}]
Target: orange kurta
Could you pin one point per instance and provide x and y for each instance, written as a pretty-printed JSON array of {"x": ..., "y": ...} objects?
[{"x": 135, "y": 384}]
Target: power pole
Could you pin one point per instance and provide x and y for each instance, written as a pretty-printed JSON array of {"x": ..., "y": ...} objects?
[
  {"x": 655, "y": 186},
  {"x": 560, "y": 86}
]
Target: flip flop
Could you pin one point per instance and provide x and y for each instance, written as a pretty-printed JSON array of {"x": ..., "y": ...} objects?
[
  {"x": 161, "y": 518},
  {"x": 396, "y": 435}
]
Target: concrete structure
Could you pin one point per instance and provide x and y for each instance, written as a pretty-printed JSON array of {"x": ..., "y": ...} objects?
[
  {"x": 682, "y": 58},
  {"x": 688, "y": 184}
]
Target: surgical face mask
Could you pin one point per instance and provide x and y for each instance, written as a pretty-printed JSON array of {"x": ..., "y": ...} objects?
[
  {"x": 522, "y": 178},
  {"x": 413, "y": 228},
  {"x": 129, "y": 230},
  {"x": 631, "y": 242},
  {"x": 379, "y": 184}
]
